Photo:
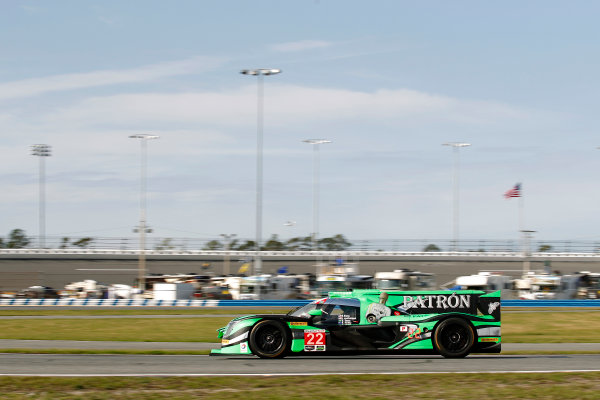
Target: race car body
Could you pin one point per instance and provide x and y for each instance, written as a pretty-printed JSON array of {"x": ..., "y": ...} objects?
[{"x": 450, "y": 323}]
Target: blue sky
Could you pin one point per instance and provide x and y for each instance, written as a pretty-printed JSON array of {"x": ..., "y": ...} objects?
[{"x": 387, "y": 82}]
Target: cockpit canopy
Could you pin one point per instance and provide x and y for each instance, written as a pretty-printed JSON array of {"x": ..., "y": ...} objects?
[{"x": 330, "y": 306}]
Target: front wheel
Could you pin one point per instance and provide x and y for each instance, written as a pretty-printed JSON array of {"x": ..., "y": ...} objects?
[
  {"x": 453, "y": 338},
  {"x": 269, "y": 339}
]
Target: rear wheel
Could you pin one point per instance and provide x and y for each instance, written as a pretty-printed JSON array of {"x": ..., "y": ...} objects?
[
  {"x": 269, "y": 339},
  {"x": 454, "y": 338}
]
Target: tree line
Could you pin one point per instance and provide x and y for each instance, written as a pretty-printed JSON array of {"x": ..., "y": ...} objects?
[
  {"x": 335, "y": 243},
  {"x": 17, "y": 239}
]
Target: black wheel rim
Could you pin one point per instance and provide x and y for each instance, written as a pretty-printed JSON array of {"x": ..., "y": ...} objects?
[
  {"x": 269, "y": 339},
  {"x": 456, "y": 338}
]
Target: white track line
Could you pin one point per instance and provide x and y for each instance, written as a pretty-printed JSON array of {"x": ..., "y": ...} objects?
[{"x": 307, "y": 373}]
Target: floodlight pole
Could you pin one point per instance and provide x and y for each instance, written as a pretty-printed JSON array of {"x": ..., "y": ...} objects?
[
  {"x": 143, "y": 227},
  {"x": 316, "y": 162},
  {"x": 455, "y": 147},
  {"x": 260, "y": 73},
  {"x": 42, "y": 151}
]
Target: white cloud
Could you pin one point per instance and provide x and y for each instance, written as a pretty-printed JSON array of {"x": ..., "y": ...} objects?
[
  {"x": 205, "y": 157},
  {"x": 30, "y": 9},
  {"x": 301, "y": 45},
  {"x": 285, "y": 104},
  {"x": 55, "y": 83}
]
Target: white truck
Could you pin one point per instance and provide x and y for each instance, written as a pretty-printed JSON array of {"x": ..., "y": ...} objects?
[
  {"x": 486, "y": 281},
  {"x": 588, "y": 285},
  {"x": 278, "y": 287},
  {"x": 173, "y": 291},
  {"x": 89, "y": 288},
  {"x": 404, "y": 279},
  {"x": 538, "y": 285},
  {"x": 339, "y": 278}
]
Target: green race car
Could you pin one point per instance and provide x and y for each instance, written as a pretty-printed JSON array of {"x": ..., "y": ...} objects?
[{"x": 449, "y": 323}]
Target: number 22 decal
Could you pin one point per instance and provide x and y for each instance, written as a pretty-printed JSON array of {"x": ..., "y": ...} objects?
[
  {"x": 314, "y": 340},
  {"x": 414, "y": 333}
]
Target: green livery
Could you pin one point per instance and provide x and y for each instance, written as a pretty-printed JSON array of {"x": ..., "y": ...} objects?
[{"x": 449, "y": 323}]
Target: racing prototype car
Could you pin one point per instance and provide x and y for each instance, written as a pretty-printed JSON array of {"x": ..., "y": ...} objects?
[{"x": 450, "y": 323}]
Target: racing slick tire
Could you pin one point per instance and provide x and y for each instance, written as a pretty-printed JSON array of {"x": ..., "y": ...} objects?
[
  {"x": 454, "y": 338},
  {"x": 269, "y": 339}
]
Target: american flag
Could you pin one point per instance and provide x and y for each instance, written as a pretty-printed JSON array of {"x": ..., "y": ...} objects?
[{"x": 514, "y": 192}]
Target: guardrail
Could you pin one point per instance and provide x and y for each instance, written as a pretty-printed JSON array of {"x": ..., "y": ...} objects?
[
  {"x": 71, "y": 302},
  {"x": 346, "y": 254},
  {"x": 241, "y": 303}
]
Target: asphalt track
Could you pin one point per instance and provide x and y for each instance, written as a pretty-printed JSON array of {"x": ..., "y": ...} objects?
[
  {"x": 199, "y": 365},
  {"x": 194, "y": 346}
]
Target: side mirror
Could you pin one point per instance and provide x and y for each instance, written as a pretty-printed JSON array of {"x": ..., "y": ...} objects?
[{"x": 315, "y": 313}]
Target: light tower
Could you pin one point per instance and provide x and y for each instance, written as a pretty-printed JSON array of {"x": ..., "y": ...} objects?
[
  {"x": 316, "y": 164},
  {"x": 260, "y": 73},
  {"x": 142, "y": 229},
  {"x": 42, "y": 151},
  {"x": 455, "y": 147}
]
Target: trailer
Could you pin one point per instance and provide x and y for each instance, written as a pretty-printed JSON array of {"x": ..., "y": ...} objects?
[{"x": 404, "y": 279}]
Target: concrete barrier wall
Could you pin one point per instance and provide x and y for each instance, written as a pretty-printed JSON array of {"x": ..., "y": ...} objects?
[{"x": 242, "y": 303}]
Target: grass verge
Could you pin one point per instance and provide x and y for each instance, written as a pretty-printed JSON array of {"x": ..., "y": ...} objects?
[
  {"x": 522, "y": 327},
  {"x": 551, "y": 327},
  {"x": 130, "y": 329},
  {"x": 557, "y": 386}
]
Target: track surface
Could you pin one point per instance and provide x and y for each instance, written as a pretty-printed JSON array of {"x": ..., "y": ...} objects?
[
  {"x": 121, "y": 345},
  {"x": 87, "y": 364}
]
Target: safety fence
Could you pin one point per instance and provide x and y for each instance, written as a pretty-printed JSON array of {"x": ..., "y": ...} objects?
[
  {"x": 72, "y": 302},
  {"x": 174, "y": 245}
]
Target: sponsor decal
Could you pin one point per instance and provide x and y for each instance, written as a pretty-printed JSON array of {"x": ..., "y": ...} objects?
[
  {"x": 413, "y": 332},
  {"x": 298, "y": 323},
  {"x": 488, "y": 340},
  {"x": 244, "y": 347},
  {"x": 314, "y": 340},
  {"x": 314, "y": 348},
  {"x": 438, "y": 302},
  {"x": 235, "y": 340},
  {"x": 493, "y": 306}
]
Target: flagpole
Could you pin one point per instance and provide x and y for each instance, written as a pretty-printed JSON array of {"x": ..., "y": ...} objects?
[
  {"x": 521, "y": 211},
  {"x": 522, "y": 219},
  {"x": 517, "y": 191},
  {"x": 526, "y": 234}
]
